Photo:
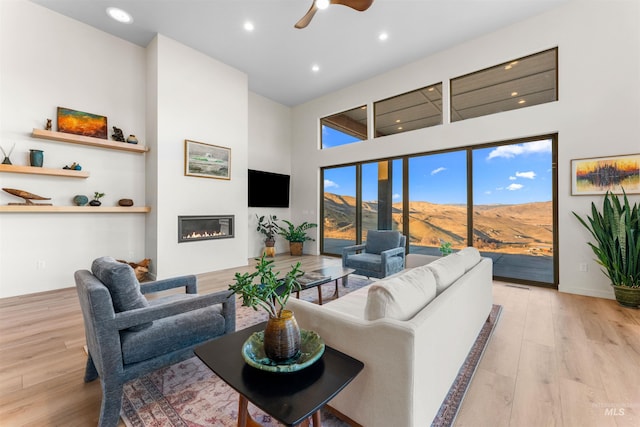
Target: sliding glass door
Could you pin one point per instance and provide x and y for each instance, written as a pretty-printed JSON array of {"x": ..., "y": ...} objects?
[
  {"x": 339, "y": 209},
  {"x": 513, "y": 209},
  {"x": 437, "y": 202}
]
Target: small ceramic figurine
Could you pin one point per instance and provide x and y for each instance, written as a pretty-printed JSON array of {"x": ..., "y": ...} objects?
[
  {"x": 117, "y": 134},
  {"x": 48, "y": 125},
  {"x": 132, "y": 139}
]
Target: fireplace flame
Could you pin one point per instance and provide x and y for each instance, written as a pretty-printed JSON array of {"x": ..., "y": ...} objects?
[{"x": 203, "y": 234}]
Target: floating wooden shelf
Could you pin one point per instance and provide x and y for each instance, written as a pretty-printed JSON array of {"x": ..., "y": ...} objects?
[
  {"x": 44, "y": 171},
  {"x": 87, "y": 140},
  {"x": 74, "y": 209}
]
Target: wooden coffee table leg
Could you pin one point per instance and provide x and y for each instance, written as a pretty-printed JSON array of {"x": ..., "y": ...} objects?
[
  {"x": 317, "y": 422},
  {"x": 244, "y": 419},
  {"x": 319, "y": 294}
]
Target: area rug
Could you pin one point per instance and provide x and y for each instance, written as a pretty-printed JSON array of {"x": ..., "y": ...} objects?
[{"x": 188, "y": 394}]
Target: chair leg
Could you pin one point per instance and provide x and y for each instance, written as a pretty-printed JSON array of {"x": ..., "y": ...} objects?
[
  {"x": 90, "y": 372},
  {"x": 111, "y": 403}
]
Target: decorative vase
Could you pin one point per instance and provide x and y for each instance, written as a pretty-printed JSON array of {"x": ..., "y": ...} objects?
[
  {"x": 125, "y": 202},
  {"x": 36, "y": 158},
  {"x": 282, "y": 337},
  {"x": 626, "y": 296},
  {"x": 6, "y": 161},
  {"x": 80, "y": 200},
  {"x": 95, "y": 202},
  {"x": 132, "y": 139},
  {"x": 295, "y": 248},
  {"x": 270, "y": 249}
]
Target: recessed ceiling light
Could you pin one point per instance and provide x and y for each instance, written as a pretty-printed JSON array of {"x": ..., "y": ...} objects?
[
  {"x": 399, "y": 127},
  {"x": 322, "y": 4},
  {"x": 514, "y": 93},
  {"x": 364, "y": 107},
  {"x": 119, "y": 15},
  {"x": 431, "y": 89},
  {"x": 398, "y": 121},
  {"x": 507, "y": 67},
  {"x": 249, "y": 26},
  {"x": 522, "y": 101},
  {"x": 383, "y": 36},
  {"x": 315, "y": 68}
]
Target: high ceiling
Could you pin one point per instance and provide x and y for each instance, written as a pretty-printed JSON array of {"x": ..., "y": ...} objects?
[{"x": 278, "y": 58}]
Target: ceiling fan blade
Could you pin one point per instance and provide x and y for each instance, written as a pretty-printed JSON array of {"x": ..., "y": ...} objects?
[
  {"x": 359, "y": 5},
  {"x": 304, "y": 21}
]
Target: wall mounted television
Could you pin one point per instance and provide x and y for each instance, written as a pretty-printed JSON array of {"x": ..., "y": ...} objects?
[{"x": 268, "y": 190}]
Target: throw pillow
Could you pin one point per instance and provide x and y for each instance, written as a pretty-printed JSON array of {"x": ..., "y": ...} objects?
[
  {"x": 120, "y": 280},
  {"x": 446, "y": 270},
  {"x": 401, "y": 297}
]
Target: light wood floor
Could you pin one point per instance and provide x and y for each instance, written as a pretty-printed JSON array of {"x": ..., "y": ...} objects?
[{"x": 554, "y": 360}]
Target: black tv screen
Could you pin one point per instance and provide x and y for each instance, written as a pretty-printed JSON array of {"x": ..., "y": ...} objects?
[{"x": 268, "y": 190}]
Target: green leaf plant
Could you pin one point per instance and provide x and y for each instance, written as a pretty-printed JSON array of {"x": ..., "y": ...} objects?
[
  {"x": 616, "y": 230},
  {"x": 294, "y": 233},
  {"x": 270, "y": 292}
]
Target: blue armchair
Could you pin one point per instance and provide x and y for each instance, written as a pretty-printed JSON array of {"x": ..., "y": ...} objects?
[
  {"x": 128, "y": 336},
  {"x": 382, "y": 254}
]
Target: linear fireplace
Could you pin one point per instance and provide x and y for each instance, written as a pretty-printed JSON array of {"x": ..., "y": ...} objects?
[{"x": 204, "y": 227}]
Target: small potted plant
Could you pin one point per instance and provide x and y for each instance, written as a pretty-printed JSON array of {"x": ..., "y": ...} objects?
[
  {"x": 96, "y": 199},
  {"x": 445, "y": 248},
  {"x": 268, "y": 226},
  {"x": 266, "y": 290},
  {"x": 616, "y": 231},
  {"x": 296, "y": 235}
]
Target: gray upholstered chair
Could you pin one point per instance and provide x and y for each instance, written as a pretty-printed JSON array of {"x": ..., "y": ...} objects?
[
  {"x": 128, "y": 336},
  {"x": 380, "y": 256}
]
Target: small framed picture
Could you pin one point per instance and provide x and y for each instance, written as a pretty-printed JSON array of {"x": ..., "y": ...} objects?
[
  {"x": 206, "y": 160},
  {"x": 598, "y": 175},
  {"x": 81, "y": 123}
]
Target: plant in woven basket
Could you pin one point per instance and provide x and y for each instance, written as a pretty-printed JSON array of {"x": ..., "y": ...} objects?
[{"x": 616, "y": 230}]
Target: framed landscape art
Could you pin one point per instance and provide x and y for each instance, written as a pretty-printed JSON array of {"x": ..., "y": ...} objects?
[
  {"x": 206, "y": 160},
  {"x": 81, "y": 123},
  {"x": 598, "y": 175}
]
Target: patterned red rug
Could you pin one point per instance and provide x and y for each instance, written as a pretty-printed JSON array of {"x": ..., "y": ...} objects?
[{"x": 188, "y": 394}]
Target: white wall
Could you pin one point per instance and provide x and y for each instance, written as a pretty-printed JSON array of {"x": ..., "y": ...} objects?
[
  {"x": 46, "y": 61},
  {"x": 204, "y": 100},
  {"x": 270, "y": 151},
  {"x": 596, "y": 115}
]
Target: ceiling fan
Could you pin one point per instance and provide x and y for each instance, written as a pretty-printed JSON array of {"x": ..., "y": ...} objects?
[{"x": 359, "y": 5}]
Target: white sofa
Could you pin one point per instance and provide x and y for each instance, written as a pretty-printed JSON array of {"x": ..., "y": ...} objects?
[{"x": 412, "y": 353}]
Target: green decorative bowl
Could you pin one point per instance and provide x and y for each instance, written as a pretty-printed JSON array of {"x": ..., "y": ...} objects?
[{"x": 311, "y": 348}]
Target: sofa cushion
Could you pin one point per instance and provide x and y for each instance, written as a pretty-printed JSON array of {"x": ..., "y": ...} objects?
[
  {"x": 120, "y": 280},
  {"x": 165, "y": 335},
  {"x": 446, "y": 270},
  {"x": 378, "y": 241},
  {"x": 400, "y": 297},
  {"x": 469, "y": 256}
]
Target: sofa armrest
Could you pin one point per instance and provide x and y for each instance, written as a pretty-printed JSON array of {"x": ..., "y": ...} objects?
[
  {"x": 127, "y": 319},
  {"x": 188, "y": 282}
]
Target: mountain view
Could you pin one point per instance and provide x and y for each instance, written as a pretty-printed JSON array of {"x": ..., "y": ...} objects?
[{"x": 516, "y": 229}]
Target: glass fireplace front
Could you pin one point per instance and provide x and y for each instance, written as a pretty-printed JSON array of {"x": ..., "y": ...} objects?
[{"x": 204, "y": 227}]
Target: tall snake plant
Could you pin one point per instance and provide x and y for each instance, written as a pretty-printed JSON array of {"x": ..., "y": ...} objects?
[{"x": 617, "y": 233}]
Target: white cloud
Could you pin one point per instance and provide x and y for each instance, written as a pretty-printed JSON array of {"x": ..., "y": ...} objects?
[
  {"x": 397, "y": 196},
  {"x": 514, "y": 187},
  {"x": 499, "y": 188},
  {"x": 487, "y": 192},
  {"x": 435, "y": 171},
  {"x": 528, "y": 175},
  {"x": 512, "y": 178},
  {"x": 328, "y": 184},
  {"x": 510, "y": 151}
]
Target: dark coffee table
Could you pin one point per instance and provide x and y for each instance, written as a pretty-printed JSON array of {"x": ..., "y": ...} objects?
[
  {"x": 317, "y": 278},
  {"x": 291, "y": 398}
]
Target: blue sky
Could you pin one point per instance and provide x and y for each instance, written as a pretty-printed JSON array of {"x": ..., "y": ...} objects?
[{"x": 516, "y": 173}]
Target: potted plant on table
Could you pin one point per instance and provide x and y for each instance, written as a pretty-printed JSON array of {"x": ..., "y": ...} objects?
[
  {"x": 266, "y": 290},
  {"x": 268, "y": 226},
  {"x": 616, "y": 230},
  {"x": 296, "y": 235}
]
